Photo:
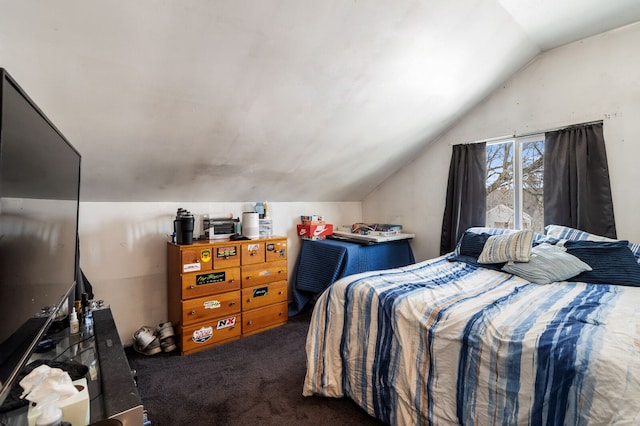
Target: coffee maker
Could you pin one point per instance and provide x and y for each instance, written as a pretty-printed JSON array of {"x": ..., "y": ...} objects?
[{"x": 183, "y": 227}]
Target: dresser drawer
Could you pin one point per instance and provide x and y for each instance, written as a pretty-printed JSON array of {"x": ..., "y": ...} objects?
[
  {"x": 276, "y": 250},
  {"x": 254, "y": 275},
  {"x": 196, "y": 337},
  {"x": 267, "y": 294},
  {"x": 252, "y": 252},
  {"x": 210, "y": 307},
  {"x": 211, "y": 282},
  {"x": 226, "y": 256},
  {"x": 259, "y": 319},
  {"x": 195, "y": 259}
]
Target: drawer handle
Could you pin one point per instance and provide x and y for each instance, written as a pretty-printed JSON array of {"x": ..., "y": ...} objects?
[
  {"x": 280, "y": 292},
  {"x": 249, "y": 300},
  {"x": 192, "y": 286},
  {"x": 232, "y": 303},
  {"x": 253, "y": 253},
  {"x": 280, "y": 314},
  {"x": 280, "y": 271},
  {"x": 192, "y": 313},
  {"x": 249, "y": 322},
  {"x": 248, "y": 277},
  {"x": 232, "y": 280}
]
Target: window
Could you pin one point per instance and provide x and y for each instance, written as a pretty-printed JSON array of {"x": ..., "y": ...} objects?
[{"x": 515, "y": 183}]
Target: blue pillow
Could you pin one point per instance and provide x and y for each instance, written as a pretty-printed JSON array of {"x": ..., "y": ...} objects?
[
  {"x": 469, "y": 249},
  {"x": 471, "y": 244},
  {"x": 470, "y": 260},
  {"x": 612, "y": 262},
  {"x": 560, "y": 232}
]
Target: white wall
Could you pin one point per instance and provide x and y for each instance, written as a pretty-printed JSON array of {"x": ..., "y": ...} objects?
[
  {"x": 593, "y": 79},
  {"x": 123, "y": 249}
]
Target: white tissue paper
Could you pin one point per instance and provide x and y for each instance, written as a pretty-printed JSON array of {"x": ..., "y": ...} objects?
[{"x": 45, "y": 385}]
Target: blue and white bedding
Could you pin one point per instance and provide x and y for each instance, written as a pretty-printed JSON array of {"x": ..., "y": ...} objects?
[{"x": 443, "y": 342}]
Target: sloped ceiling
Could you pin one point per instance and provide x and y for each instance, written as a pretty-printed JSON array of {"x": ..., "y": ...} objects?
[{"x": 284, "y": 100}]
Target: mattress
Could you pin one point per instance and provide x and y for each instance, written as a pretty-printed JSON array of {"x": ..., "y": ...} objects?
[{"x": 442, "y": 342}]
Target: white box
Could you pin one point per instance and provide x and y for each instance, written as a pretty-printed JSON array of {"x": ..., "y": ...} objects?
[{"x": 75, "y": 408}]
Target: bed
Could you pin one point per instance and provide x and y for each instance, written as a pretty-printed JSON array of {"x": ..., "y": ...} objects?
[{"x": 447, "y": 341}]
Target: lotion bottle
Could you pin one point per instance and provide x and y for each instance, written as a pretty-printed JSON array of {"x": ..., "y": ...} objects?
[{"x": 74, "y": 324}]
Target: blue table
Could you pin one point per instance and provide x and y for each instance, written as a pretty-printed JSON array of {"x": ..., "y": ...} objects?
[{"x": 321, "y": 263}]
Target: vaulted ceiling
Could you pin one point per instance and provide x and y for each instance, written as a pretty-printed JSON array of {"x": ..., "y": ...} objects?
[{"x": 284, "y": 100}]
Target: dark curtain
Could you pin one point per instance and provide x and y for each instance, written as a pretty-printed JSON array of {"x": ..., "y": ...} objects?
[
  {"x": 82, "y": 283},
  {"x": 577, "y": 192},
  {"x": 466, "y": 203}
]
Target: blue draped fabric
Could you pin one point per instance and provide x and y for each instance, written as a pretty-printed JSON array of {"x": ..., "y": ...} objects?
[{"x": 323, "y": 262}]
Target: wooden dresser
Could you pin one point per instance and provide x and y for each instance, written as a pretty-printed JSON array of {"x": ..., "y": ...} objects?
[{"x": 219, "y": 291}]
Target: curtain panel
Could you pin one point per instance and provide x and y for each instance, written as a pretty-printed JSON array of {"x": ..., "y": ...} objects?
[
  {"x": 577, "y": 191},
  {"x": 466, "y": 202}
]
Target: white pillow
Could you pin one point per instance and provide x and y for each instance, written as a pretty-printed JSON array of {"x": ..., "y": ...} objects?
[{"x": 513, "y": 247}]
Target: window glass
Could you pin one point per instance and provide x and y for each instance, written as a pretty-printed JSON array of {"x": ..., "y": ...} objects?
[
  {"x": 500, "y": 185},
  {"x": 515, "y": 184},
  {"x": 532, "y": 185}
]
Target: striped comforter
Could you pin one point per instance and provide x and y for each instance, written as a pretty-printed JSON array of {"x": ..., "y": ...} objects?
[{"x": 443, "y": 343}]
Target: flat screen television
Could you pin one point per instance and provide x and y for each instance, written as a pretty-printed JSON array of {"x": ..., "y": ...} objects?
[{"x": 39, "y": 198}]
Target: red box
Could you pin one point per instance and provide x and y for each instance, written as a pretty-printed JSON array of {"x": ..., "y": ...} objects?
[{"x": 315, "y": 230}]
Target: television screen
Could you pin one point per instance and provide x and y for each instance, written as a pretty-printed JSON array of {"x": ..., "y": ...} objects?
[{"x": 39, "y": 194}]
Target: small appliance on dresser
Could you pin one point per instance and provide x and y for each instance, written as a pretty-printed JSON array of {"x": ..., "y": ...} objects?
[{"x": 219, "y": 291}]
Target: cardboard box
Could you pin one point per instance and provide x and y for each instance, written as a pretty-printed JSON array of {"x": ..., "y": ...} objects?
[
  {"x": 314, "y": 219},
  {"x": 315, "y": 230}
]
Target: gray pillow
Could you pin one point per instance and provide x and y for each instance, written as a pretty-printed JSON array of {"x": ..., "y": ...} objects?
[{"x": 547, "y": 264}]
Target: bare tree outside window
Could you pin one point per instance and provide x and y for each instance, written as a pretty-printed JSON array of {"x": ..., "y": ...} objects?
[
  {"x": 532, "y": 184},
  {"x": 502, "y": 183}
]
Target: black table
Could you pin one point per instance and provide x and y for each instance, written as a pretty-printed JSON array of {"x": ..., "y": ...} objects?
[{"x": 111, "y": 389}]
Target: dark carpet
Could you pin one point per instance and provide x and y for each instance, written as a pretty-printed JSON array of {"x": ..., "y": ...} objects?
[{"x": 254, "y": 380}]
